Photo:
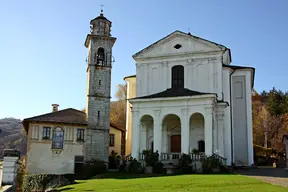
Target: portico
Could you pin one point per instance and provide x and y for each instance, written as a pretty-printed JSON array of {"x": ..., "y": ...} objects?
[{"x": 173, "y": 126}]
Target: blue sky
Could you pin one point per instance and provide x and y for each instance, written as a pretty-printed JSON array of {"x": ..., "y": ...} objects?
[{"x": 42, "y": 53}]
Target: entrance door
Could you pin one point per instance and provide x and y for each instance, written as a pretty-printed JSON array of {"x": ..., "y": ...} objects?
[{"x": 176, "y": 143}]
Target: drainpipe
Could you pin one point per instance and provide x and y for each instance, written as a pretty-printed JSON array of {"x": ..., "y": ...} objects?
[{"x": 231, "y": 121}]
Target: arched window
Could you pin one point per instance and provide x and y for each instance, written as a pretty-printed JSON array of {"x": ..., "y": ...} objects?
[
  {"x": 100, "y": 56},
  {"x": 58, "y": 138},
  {"x": 177, "y": 77},
  {"x": 201, "y": 146}
]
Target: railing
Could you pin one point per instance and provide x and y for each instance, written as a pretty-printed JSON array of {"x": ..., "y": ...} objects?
[
  {"x": 175, "y": 156},
  {"x": 197, "y": 157},
  {"x": 222, "y": 159}
]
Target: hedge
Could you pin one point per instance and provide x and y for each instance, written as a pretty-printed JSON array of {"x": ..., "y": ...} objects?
[{"x": 42, "y": 182}]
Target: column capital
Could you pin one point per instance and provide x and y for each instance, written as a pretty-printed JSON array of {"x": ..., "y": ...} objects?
[
  {"x": 135, "y": 112},
  {"x": 184, "y": 111},
  {"x": 189, "y": 61},
  {"x": 220, "y": 116},
  {"x": 165, "y": 63},
  {"x": 209, "y": 110},
  {"x": 157, "y": 112}
]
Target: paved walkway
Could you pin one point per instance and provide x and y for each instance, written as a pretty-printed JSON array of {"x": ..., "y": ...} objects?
[
  {"x": 276, "y": 176},
  {"x": 0, "y": 175}
]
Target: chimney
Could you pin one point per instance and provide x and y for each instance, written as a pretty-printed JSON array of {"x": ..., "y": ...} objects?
[{"x": 55, "y": 107}]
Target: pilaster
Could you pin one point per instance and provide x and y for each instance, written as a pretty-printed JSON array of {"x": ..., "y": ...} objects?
[
  {"x": 208, "y": 131},
  {"x": 157, "y": 131},
  {"x": 135, "y": 134},
  {"x": 220, "y": 134}
]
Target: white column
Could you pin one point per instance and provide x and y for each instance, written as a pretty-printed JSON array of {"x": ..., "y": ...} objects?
[
  {"x": 164, "y": 138},
  {"x": 184, "y": 132},
  {"x": 135, "y": 134},
  {"x": 143, "y": 136},
  {"x": 157, "y": 130},
  {"x": 220, "y": 138},
  {"x": 208, "y": 131}
]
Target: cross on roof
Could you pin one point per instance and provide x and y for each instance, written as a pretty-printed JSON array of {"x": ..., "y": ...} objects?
[{"x": 102, "y": 8}]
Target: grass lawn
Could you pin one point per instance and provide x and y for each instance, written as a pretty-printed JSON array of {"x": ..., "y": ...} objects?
[{"x": 203, "y": 183}]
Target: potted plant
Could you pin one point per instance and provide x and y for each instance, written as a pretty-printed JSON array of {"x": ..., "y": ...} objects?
[
  {"x": 150, "y": 159},
  {"x": 195, "y": 151}
]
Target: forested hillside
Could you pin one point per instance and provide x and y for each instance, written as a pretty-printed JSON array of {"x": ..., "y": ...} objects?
[
  {"x": 12, "y": 135},
  {"x": 270, "y": 118}
]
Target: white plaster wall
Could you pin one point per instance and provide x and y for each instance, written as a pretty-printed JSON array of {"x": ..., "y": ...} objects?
[
  {"x": 41, "y": 159},
  {"x": 203, "y": 75},
  {"x": 117, "y": 141},
  {"x": 227, "y": 118},
  {"x": 247, "y": 74}
]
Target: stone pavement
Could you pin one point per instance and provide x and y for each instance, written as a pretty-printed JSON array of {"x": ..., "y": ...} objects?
[
  {"x": 276, "y": 176},
  {"x": 0, "y": 175}
]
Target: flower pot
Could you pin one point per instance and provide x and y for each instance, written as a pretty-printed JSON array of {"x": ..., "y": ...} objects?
[{"x": 149, "y": 169}]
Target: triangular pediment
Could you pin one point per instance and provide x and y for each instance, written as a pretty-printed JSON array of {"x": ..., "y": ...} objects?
[{"x": 178, "y": 43}]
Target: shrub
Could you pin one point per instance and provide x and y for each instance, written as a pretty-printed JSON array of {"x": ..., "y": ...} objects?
[
  {"x": 134, "y": 166},
  {"x": 195, "y": 151},
  {"x": 92, "y": 168},
  {"x": 42, "y": 182},
  {"x": 150, "y": 157},
  {"x": 114, "y": 160},
  {"x": 184, "y": 163},
  {"x": 21, "y": 174},
  {"x": 209, "y": 163},
  {"x": 158, "y": 168}
]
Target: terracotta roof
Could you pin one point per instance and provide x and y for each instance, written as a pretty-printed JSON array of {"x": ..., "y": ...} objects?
[
  {"x": 129, "y": 77},
  {"x": 65, "y": 116},
  {"x": 116, "y": 127},
  {"x": 173, "y": 93}
]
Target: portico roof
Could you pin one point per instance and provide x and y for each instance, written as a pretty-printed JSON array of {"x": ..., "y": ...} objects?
[{"x": 174, "y": 93}]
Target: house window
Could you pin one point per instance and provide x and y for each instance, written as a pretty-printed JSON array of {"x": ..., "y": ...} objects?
[
  {"x": 112, "y": 140},
  {"x": 201, "y": 146},
  {"x": 80, "y": 134},
  {"x": 177, "y": 77},
  {"x": 100, "y": 56},
  {"x": 58, "y": 138},
  {"x": 46, "y": 133}
]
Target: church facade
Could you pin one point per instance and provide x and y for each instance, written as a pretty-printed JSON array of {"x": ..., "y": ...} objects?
[{"x": 186, "y": 97}]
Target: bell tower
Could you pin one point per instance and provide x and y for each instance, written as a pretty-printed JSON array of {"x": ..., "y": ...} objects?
[{"x": 99, "y": 43}]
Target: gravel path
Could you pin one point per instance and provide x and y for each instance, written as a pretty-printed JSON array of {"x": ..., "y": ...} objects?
[{"x": 276, "y": 176}]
